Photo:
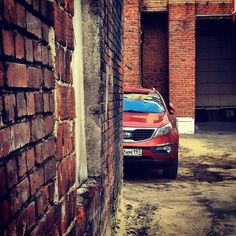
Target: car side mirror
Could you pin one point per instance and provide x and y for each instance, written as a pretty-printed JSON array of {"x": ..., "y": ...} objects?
[{"x": 171, "y": 109}]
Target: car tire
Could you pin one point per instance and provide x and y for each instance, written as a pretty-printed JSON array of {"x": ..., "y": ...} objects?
[{"x": 171, "y": 171}]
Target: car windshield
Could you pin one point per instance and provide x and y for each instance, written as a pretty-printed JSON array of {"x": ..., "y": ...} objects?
[{"x": 143, "y": 103}]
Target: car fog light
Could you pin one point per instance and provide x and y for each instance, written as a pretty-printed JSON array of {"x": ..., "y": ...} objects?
[{"x": 165, "y": 149}]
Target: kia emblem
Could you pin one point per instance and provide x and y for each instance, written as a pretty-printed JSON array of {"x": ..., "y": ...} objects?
[{"x": 127, "y": 135}]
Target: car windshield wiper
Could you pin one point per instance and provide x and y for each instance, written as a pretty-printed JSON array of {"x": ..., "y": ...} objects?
[{"x": 135, "y": 111}]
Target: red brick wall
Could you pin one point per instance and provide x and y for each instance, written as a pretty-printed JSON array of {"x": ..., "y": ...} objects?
[
  {"x": 209, "y": 8},
  {"x": 65, "y": 114},
  {"x": 37, "y": 168},
  {"x": 154, "y": 5},
  {"x": 155, "y": 53},
  {"x": 131, "y": 49},
  {"x": 111, "y": 108},
  {"x": 182, "y": 58},
  {"x": 37, "y": 121}
]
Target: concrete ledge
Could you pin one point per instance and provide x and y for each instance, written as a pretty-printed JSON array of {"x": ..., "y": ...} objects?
[{"x": 185, "y": 125}]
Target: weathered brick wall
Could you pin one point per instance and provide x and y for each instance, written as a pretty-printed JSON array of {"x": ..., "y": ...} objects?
[
  {"x": 111, "y": 107},
  {"x": 154, "y": 5},
  {"x": 132, "y": 40},
  {"x": 155, "y": 53},
  {"x": 213, "y": 7},
  {"x": 182, "y": 58},
  {"x": 65, "y": 192},
  {"x": 99, "y": 195},
  {"x": 37, "y": 173}
]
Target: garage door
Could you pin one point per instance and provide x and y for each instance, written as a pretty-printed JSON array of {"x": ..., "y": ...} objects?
[{"x": 216, "y": 64}]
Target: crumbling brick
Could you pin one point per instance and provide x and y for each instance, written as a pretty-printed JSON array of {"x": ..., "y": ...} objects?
[
  {"x": 48, "y": 79},
  {"x": 9, "y": 11},
  {"x": 69, "y": 37},
  {"x": 66, "y": 174},
  {"x": 29, "y": 49},
  {"x": 30, "y": 158},
  {"x": 17, "y": 75},
  {"x": 33, "y": 25},
  {"x": 65, "y": 95},
  {"x": 21, "y": 104},
  {"x": 20, "y": 195},
  {"x": 37, "y": 51},
  {"x": 39, "y": 102},
  {"x": 45, "y": 55},
  {"x": 30, "y": 215},
  {"x": 50, "y": 169},
  {"x": 8, "y": 43},
  {"x": 11, "y": 172},
  {"x": 36, "y": 180},
  {"x": 22, "y": 166},
  {"x": 5, "y": 141},
  {"x": 10, "y": 105},
  {"x": 64, "y": 140},
  {"x": 30, "y": 101},
  {"x": 20, "y": 15},
  {"x": 45, "y": 32},
  {"x": 42, "y": 202},
  {"x": 46, "y": 102},
  {"x": 19, "y": 46},
  {"x": 68, "y": 57},
  {"x": 20, "y": 134},
  {"x": 35, "y": 77},
  {"x": 60, "y": 32}
]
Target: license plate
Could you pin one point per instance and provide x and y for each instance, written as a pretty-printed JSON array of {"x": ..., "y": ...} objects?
[{"x": 133, "y": 152}]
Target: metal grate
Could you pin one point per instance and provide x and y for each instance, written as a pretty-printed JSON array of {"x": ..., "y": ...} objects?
[{"x": 138, "y": 134}]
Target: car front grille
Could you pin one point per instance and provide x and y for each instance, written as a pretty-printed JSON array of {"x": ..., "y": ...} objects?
[{"x": 135, "y": 135}]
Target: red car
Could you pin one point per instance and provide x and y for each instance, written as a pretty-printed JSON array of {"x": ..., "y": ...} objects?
[{"x": 150, "y": 134}]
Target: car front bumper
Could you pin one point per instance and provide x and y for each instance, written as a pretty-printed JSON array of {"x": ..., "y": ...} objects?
[
  {"x": 144, "y": 162},
  {"x": 150, "y": 147}
]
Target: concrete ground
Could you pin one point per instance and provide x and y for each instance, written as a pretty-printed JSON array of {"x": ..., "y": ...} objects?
[{"x": 201, "y": 201}]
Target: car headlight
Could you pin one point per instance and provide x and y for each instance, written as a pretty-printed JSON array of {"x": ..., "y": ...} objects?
[{"x": 163, "y": 130}]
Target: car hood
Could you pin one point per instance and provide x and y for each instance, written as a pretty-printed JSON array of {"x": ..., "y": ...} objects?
[{"x": 145, "y": 120}]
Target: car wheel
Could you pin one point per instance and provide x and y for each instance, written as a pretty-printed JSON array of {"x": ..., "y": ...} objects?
[{"x": 171, "y": 171}]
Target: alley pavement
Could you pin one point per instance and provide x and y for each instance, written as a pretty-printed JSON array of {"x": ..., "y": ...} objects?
[{"x": 201, "y": 201}]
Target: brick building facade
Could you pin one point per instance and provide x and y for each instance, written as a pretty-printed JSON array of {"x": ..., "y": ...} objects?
[
  {"x": 186, "y": 50},
  {"x": 52, "y": 181}
]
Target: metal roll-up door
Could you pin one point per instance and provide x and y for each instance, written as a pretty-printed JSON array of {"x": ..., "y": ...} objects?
[{"x": 216, "y": 64}]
